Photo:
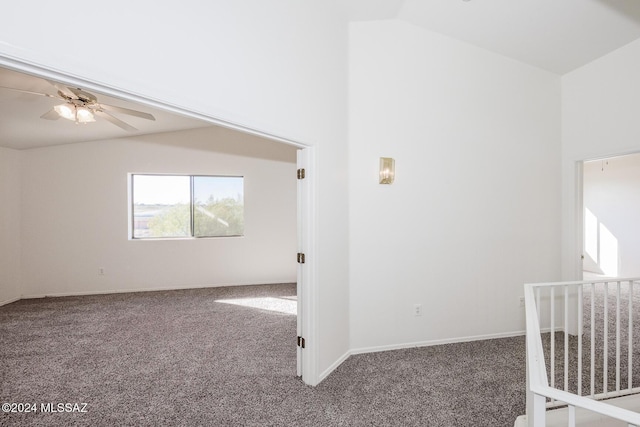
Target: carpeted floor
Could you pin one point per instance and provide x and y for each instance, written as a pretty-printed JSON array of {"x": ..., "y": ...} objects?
[{"x": 184, "y": 358}]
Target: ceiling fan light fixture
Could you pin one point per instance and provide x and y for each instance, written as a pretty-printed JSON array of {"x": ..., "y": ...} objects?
[
  {"x": 81, "y": 107},
  {"x": 84, "y": 115},
  {"x": 66, "y": 111}
]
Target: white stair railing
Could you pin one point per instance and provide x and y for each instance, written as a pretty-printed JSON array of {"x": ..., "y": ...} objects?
[{"x": 560, "y": 309}]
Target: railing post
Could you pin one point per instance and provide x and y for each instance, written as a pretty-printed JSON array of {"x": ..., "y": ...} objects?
[
  {"x": 529, "y": 394},
  {"x": 531, "y": 397},
  {"x": 572, "y": 416},
  {"x": 539, "y": 411}
]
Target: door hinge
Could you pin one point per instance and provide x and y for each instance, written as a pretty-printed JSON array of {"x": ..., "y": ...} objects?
[
  {"x": 301, "y": 173},
  {"x": 300, "y": 258},
  {"x": 301, "y": 342}
]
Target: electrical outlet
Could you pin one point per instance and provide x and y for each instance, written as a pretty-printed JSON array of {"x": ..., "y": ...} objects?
[
  {"x": 417, "y": 310},
  {"x": 101, "y": 271},
  {"x": 521, "y": 300}
]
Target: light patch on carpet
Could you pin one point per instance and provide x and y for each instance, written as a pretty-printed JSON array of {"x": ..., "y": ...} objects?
[{"x": 280, "y": 305}]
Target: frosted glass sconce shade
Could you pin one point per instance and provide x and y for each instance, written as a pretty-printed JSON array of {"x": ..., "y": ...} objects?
[{"x": 387, "y": 170}]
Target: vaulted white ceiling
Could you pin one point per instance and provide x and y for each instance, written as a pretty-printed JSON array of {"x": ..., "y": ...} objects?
[{"x": 555, "y": 35}]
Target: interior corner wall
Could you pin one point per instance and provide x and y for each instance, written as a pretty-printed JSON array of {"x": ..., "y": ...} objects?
[
  {"x": 279, "y": 67},
  {"x": 473, "y": 212},
  {"x": 600, "y": 104},
  {"x": 75, "y": 215},
  {"x": 10, "y": 243},
  {"x": 612, "y": 195}
]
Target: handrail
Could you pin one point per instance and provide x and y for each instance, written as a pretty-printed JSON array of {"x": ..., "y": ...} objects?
[
  {"x": 537, "y": 370},
  {"x": 584, "y": 282},
  {"x": 537, "y": 367}
]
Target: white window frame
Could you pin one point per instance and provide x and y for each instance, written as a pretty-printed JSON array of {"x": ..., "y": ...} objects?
[{"x": 131, "y": 207}]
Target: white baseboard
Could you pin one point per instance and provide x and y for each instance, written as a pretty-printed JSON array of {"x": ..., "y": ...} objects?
[
  {"x": 9, "y": 301},
  {"x": 333, "y": 366},
  {"x": 401, "y": 346},
  {"x": 548, "y": 330},
  {"x": 125, "y": 291},
  {"x": 390, "y": 347},
  {"x": 521, "y": 421}
]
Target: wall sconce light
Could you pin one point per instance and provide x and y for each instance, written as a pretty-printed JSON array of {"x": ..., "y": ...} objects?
[{"x": 387, "y": 170}]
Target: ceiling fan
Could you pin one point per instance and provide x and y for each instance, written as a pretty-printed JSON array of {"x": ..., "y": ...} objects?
[{"x": 82, "y": 107}]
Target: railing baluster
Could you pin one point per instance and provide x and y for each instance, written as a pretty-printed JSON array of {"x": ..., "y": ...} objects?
[
  {"x": 552, "y": 337},
  {"x": 566, "y": 338},
  {"x": 630, "y": 355},
  {"x": 535, "y": 360},
  {"x": 580, "y": 331},
  {"x": 593, "y": 339},
  {"x": 618, "y": 336},
  {"x": 572, "y": 416},
  {"x": 605, "y": 351}
]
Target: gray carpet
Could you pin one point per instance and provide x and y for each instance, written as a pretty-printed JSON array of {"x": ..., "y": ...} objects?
[{"x": 181, "y": 358}]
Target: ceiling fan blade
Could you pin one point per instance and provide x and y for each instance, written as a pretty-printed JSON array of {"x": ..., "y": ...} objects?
[
  {"x": 29, "y": 92},
  {"x": 115, "y": 120},
  {"x": 50, "y": 115},
  {"x": 63, "y": 89},
  {"x": 128, "y": 111}
]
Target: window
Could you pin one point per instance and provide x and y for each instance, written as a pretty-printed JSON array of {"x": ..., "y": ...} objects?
[{"x": 173, "y": 206}]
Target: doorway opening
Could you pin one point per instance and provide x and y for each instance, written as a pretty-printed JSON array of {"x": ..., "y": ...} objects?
[
  {"x": 611, "y": 229},
  {"x": 305, "y": 306}
]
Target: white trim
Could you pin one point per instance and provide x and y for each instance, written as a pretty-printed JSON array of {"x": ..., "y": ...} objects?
[
  {"x": 158, "y": 289},
  {"x": 309, "y": 300},
  {"x": 521, "y": 421},
  {"x": 436, "y": 342},
  {"x": 417, "y": 344},
  {"x": 9, "y": 301},
  {"x": 578, "y": 245},
  {"x": 301, "y": 157},
  {"x": 334, "y": 366}
]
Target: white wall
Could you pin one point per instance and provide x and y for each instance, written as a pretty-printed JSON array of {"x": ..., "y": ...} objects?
[
  {"x": 277, "y": 66},
  {"x": 473, "y": 214},
  {"x": 75, "y": 215},
  {"x": 612, "y": 195},
  {"x": 600, "y": 104},
  {"x": 10, "y": 245}
]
